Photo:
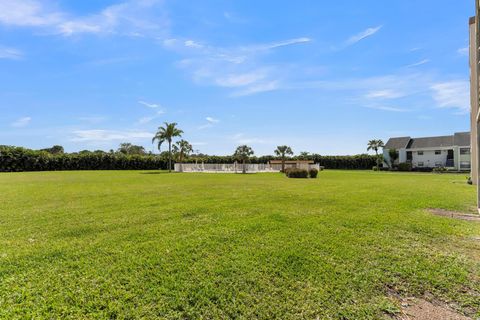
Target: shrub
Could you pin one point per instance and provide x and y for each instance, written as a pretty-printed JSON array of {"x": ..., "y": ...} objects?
[
  {"x": 404, "y": 166},
  {"x": 375, "y": 168},
  {"x": 422, "y": 169},
  {"x": 14, "y": 159},
  {"x": 439, "y": 170},
  {"x": 313, "y": 173},
  {"x": 297, "y": 173}
]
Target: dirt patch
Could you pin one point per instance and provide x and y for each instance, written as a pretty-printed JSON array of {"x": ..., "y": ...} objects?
[
  {"x": 455, "y": 214},
  {"x": 419, "y": 309}
]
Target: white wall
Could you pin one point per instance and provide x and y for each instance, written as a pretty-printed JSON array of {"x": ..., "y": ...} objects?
[
  {"x": 402, "y": 155},
  {"x": 429, "y": 158}
]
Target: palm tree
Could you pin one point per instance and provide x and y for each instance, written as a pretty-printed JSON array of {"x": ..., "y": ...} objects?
[
  {"x": 182, "y": 148},
  {"x": 167, "y": 133},
  {"x": 375, "y": 145},
  {"x": 304, "y": 155},
  {"x": 243, "y": 153},
  {"x": 282, "y": 152}
]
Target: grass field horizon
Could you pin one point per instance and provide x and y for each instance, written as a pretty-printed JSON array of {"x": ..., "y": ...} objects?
[{"x": 133, "y": 244}]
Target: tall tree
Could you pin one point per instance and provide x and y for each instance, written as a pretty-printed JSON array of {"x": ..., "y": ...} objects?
[
  {"x": 182, "y": 149},
  {"x": 304, "y": 155},
  {"x": 282, "y": 152},
  {"x": 375, "y": 145},
  {"x": 243, "y": 153},
  {"x": 56, "y": 149},
  {"x": 167, "y": 133},
  {"x": 128, "y": 148}
]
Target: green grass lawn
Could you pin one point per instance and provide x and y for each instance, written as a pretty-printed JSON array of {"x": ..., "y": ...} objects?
[{"x": 127, "y": 244}]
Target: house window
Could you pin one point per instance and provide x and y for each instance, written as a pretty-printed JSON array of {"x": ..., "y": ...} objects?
[
  {"x": 438, "y": 164},
  {"x": 420, "y": 153},
  {"x": 464, "y": 150},
  {"x": 438, "y": 151},
  {"x": 420, "y": 164},
  {"x": 464, "y": 164}
]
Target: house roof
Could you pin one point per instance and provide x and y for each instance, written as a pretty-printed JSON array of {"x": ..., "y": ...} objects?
[
  {"x": 431, "y": 142},
  {"x": 462, "y": 139},
  {"x": 458, "y": 139},
  {"x": 397, "y": 143}
]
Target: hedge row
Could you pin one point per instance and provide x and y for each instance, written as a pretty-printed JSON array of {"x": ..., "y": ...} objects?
[
  {"x": 357, "y": 162},
  {"x": 19, "y": 159}
]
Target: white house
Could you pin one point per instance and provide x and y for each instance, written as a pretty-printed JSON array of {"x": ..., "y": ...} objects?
[{"x": 452, "y": 152}]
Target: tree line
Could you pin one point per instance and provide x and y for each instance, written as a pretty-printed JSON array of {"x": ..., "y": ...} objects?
[
  {"x": 21, "y": 159},
  {"x": 133, "y": 157}
]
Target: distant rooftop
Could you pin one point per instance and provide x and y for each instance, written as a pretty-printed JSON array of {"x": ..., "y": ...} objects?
[{"x": 458, "y": 139}]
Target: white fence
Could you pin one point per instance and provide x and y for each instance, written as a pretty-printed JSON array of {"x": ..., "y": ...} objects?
[{"x": 235, "y": 167}]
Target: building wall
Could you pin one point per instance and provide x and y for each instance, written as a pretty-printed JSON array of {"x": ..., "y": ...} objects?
[
  {"x": 386, "y": 158},
  {"x": 402, "y": 155},
  {"x": 473, "y": 102},
  {"x": 429, "y": 158},
  {"x": 464, "y": 159}
]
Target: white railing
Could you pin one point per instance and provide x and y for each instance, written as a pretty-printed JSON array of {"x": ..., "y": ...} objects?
[{"x": 236, "y": 167}]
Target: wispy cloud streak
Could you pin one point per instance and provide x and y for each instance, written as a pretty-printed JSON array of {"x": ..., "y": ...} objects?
[
  {"x": 10, "y": 53},
  {"x": 363, "y": 35},
  {"x": 22, "y": 122}
]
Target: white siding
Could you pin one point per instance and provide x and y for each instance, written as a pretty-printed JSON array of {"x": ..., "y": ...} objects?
[
  {"x": 402, "y": 155},
  {"x": 429, "y": 158}
]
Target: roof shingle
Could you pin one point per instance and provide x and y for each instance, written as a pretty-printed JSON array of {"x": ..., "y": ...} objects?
[{"x": 461, "y": 139}]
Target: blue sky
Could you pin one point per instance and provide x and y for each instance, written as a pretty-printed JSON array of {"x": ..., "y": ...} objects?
[{"x": 320, "y": 76}]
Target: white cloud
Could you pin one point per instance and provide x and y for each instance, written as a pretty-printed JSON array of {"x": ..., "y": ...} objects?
[
  {"x": 100, "y": 135},
  {"x": 148, "y": 119},
  {"x": 417, "y": 89},
  {"x": 22, "y": 122},
  {"x": 24, "y": 13},
  {"x": 241, "y": 80},
  {"x": 463, "y": 51},
  {"x": 258, "y": 88},
  {"x": 386, "y": 108},
  {"x": 240, "y": 67},
  {"x": 126, "y": 18},
  {"x": 212, "y": 120},
  {"x": 363, "y": 35},
  {"x": 452, "y": 94},
  {"x": 145, "y": 120},
  {"x": 416, "y": 64},
  {"x": 279, "y": 44},
  {"x": 193, "y": 44},
  {"x": 169, "y": 42},
  {"x": 149, "y": 105},
  {"x": 10, "y": 53},
  {"x": 384, "y": 94}
]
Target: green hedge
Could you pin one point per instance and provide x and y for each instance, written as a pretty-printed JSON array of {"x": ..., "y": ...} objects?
[
  {"x": 357, "y": 162},
  {"x": 20, "y": 159}
]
